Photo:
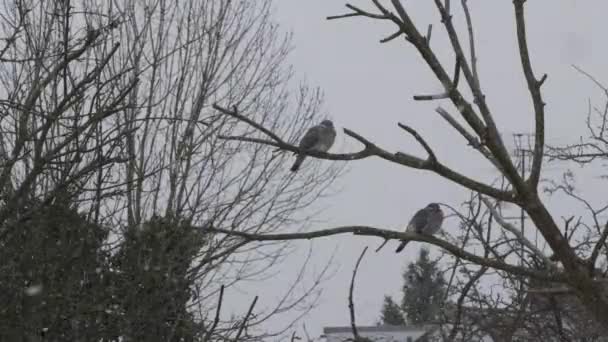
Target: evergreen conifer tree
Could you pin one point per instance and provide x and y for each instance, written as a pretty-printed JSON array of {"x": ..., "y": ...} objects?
[
  {"x": 423, "y": 290},
  {"x": 152, "y": 282},
  {"x": 391, "y": 313},
  {"x": 52, "y": 276}
]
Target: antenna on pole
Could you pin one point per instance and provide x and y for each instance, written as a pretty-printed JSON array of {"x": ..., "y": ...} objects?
[{"x": 523, "y": 152}]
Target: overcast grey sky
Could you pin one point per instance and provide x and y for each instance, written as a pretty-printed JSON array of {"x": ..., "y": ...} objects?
[{"x": 369, "y": 88}]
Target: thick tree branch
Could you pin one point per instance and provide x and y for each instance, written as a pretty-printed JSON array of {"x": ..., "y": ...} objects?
[
  {"x": 489, "y": 134},
  {"x": 471, "y": 140},
  {"x": 534, "y": 88},
  {"x": 369, "y": 150},
  {"x": 394, "y": 235},
  {"x": 598, "y": 246},
  {"x": 446, "y": 19}
]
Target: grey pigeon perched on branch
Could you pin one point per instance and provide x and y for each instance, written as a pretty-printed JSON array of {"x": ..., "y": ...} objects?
[
  {"x": 426, "y": 221},
  {"x": 318, "y": 138}
]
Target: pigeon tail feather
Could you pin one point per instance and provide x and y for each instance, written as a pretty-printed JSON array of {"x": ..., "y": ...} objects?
[
  {"x": 298, "y": 162},
  {"x": 401, "y": 246}
]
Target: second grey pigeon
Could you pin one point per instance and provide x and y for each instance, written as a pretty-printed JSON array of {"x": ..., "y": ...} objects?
[
  {"x": 426, "y": 221},
  {"x": 318, "y": 138}
]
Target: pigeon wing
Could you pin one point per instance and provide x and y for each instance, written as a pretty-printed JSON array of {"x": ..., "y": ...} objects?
[
  {"x": 326, "y": 139},
  {"x": 419, "y": 221},
  {"x": 311, "y": 138},
  {"x": 434, "y": 224}
]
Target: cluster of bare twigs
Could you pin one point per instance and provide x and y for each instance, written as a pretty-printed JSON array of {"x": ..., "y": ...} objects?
[
  {"x": 108, "y": 105},
  {"x": 211, "y": 333},
  {"x": 595, "y": 147}
]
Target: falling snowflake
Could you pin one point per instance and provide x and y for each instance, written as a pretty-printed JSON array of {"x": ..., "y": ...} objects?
[{"x": 33, "y": 290}]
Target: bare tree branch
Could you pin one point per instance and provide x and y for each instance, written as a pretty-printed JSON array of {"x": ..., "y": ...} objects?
[
  {"x": 370, "y": 149},
  {"x": 216, "y": 320},
  {"x": 446, "y": 94},
  {"x": 357, "y": 12},
  {"x": 351, "y": 303},
  {"x": 389, "y": 234},
  {"x": 515, "y": 231},
  {"x": 598, "y": 247},
  {"x": 534, "y": 88},
  {"x": 431, "y": 158},
  {"x": 245, "y": 319},
  {"x": 472, "y": 49}
]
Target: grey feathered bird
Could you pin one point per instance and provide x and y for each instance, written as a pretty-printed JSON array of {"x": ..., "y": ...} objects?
[
  {"x": 426, "y": 221},
  {"x": 318, "y": 138}
]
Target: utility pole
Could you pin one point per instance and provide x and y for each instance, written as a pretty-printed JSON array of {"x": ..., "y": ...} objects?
[
  {"x": 521, "y": 154},
  {"x": 523, "y": 151}
]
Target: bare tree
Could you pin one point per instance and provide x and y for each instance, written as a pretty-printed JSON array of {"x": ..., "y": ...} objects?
[
  {"x": 479, "y": 131},
  {"x": 107, "y": 104}
]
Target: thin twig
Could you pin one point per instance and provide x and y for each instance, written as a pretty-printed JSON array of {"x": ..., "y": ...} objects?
[
  {"x": 235, "y": 114},
  {"x": 351, "y": 303},
  {"x": 357, "y": 12},
  {"x": 391, "y": 37},
  {"x": 515, "y": 231},
  {"x": 432, "y": 158},
  {"x": 551, "y": 291},
  {"x": 593, "y": 79},
  {"x": 467, "y": 15},
  {"x": 242, "y": 327},
  {"x": 340, "y": 16},
  {"x": 380, "y": 247},
  {"x": 447, "y": 93},
  {"x": 472, "y": 141},
  {"x": 462, "y": 297},
  {"x": 216, "y": 320}
]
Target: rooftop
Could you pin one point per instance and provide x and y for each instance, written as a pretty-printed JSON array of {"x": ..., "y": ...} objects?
[{"x": 381, "y": 328}]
